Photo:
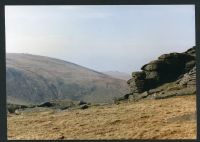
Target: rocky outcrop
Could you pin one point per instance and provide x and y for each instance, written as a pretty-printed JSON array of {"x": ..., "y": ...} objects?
[
  {"x": 170, "y": 75},
  {"x": 54, "y": 105},
  {"x": 12, "y": 108},
  {"x": 189, "y": 79},
  {"x": 64, "y": 104},
  {"x": 167, "y": 68}
]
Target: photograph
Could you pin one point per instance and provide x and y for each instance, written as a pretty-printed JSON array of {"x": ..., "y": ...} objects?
[{"x": 100, "y": 72}]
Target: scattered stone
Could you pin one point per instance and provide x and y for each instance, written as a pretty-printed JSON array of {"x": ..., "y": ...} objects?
[
  {"x": 131, "y": 98},
  {"x": 11, "y": 108},
  {"x": 85, "y": 106},
  {"x": 17, "y": 112},
  {"x": 61, "y": 138},
  {"x": 81, "y": 103},
  {"x": 182, "y": 92},
  {"x": 46, "y": 104}
]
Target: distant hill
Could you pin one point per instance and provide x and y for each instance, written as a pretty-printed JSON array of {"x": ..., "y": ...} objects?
[
  {"x": 119, "y": 75},
  {"x": 32, "y": 79}
]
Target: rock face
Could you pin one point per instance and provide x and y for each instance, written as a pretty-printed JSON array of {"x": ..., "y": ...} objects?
[
  {"x": 167, "y": 68},
  {"x": 189, "y": 79}
]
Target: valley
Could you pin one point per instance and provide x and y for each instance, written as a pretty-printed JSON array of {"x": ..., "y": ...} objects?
[{"x": 54, "y": 99}]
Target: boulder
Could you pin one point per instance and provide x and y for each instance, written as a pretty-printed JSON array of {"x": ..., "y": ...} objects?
[
  {"x": 182, "y": 92},
  {"x": 17, "y": 112},
  {"x": 85, "y": 106},
  {"x": 191, "y": 51},
  {"x": 137, "y": 96},
  {"x": 13, "y": 107},
  {"x": 174, "y": 57},
  {"x": 153, "y": 65},
  {"x": 144, "y": 94},
  {"x": 131, "y": 97},
  {"x": 81, "y": 103},
  {"x": 46, "y": 104},
  {"x": 138, "y": 75},
  {"x": 137, "y": 86},
  {"x": 152, "y": 75},
  {"x": 126, "y": 96},
  {"x": 189, "y": 65},
  {"x": 189, "y": 79}
]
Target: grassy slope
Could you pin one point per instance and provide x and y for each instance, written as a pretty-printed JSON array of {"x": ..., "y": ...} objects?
[
  {"x": 35, "y": 79},
  {"x": 171, "y": 118}
]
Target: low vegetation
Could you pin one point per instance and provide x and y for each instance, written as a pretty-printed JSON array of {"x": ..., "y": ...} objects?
[
  {"x": 159, "y": 104},
  {"x": 172, "y": 118}
]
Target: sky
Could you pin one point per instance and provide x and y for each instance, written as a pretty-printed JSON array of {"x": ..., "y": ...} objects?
[{"x": 103, "y": 38}]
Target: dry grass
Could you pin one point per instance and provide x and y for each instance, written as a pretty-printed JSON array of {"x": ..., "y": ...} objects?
[{"x": 171, "y": 118}]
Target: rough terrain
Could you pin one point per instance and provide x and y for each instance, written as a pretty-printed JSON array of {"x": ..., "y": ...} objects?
[
  {"x": 172, "y": 118},
  {"x": 172, "y": 74},
  {"x": 161, "y": 104}
]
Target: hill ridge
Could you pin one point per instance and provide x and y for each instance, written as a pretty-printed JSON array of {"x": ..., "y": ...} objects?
[{"x": 40, "y": 78}]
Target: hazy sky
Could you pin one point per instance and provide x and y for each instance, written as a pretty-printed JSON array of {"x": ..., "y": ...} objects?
[{"x": 103, "y": 38}]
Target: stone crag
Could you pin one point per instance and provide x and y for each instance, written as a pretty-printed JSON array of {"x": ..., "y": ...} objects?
[{"x": 170, "y": 75}]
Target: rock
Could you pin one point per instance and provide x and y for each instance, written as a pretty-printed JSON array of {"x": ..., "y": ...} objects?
[
  {"x": 130, "y": 80},
  {"x": 17, "y": 112},
  {"x": 167, "y": 68},
  {"x": 61, "y": 138},
  {"x": 154, "y": 65},
  {"x": 81, "y": 103},
  {"x": 189, "y": 79},
  {"x": 164, "y": 97},
  {"x": 84, "y": 106},
  {"x": 11, "y": 110},
  {"x": 152, "y": 91},
  {"x": 138, "y": 75},
  {"x": 131, "y": 98},
  {"x": 189, "y": 65},
  {"x": 46, "y": 104},
  {"x": 180, "y": 57},
  {"x": 13, "y": 107},
  {"x": 126, "y": 96},
  {"x": 144, "y": 94},
  {"x": 152, "y": 75},
  {"x": 181, "y": 92},
  {"x": 64, "y": 107},
  {"x": 123, "y": 98},
  {"x": 168, "y": 56},
  {"x": 137, "y": 86},
  {"x": 191, "y": 51},
  {"x": 138, "y": 96}
]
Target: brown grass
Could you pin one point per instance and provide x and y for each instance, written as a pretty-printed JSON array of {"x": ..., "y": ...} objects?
[{"x": 171, "y": 118}]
